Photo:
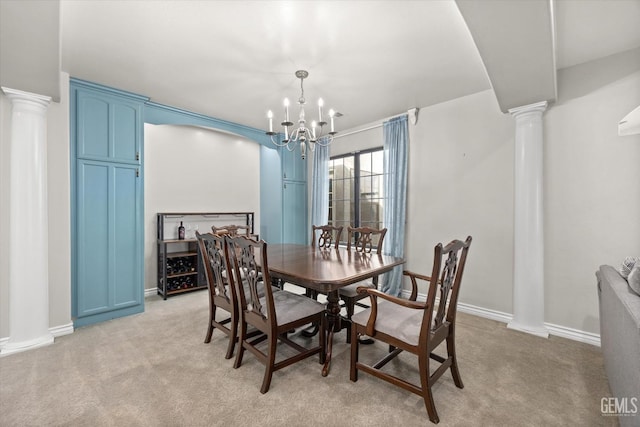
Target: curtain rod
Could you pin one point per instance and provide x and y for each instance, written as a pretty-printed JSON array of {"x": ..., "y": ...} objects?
[{"x": 372, "y": 126}]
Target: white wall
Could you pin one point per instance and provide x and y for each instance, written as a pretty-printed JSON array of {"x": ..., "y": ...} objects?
[
  {"x": 461, "y": 183},
  {"x": 592, "y": 190},
  {"x": 190, "y": 169},
  {"x": 58, "y": 171}
]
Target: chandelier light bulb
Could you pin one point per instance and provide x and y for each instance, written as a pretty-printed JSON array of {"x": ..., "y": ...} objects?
[
  {"x": 320, "y": 105},
  {"x": 331, "y": 114},
  {"x": 286, "y": 109},
  {"x": 270, "y": 116}
]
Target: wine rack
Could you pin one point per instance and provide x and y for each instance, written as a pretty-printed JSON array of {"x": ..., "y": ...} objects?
[{"x": 180, "y": 265}]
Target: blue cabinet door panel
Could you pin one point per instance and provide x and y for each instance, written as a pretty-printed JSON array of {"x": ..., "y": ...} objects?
[
  {"x": 109, "y": 259},
  {"x": 294, "y": 168},
  {"x": 93, "y": 127},
  {"x": 124, "y": 130},
  {"x": 109, "y": 128},
  {"x": 92, "y": 241},
  {"x": 126, "y": 251},
  {"x": 294, "y": 212}
]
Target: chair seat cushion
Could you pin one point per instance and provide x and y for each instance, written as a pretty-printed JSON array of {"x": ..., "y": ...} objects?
[
  {"x": 350, "y": 291},
  {"x": 395, "y": 320},
  {"x": 291, "y": 307}
]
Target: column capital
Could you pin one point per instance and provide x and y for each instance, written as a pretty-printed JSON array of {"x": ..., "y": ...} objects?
[
  {"x": 538, "y": 107},
  {"x": 15, "y": 94}
]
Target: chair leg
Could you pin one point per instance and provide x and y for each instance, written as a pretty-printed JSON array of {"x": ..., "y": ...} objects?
[
  {"x": 271, "y": 359},
  {"x": 354, "y": 353},
  {"x": 451, "y": 350},
  {"x": 423, "y": 362},
  {"x": 323, "y": 339},
  {"x": 241, "y": 339},
  {"x": 212, "y": 316},
  {"x": 431, "y": 407},
  {"x": 233, "y": 336}
]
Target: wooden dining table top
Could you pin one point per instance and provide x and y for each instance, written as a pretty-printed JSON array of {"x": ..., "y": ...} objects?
[{"x": 325, "y": 270}]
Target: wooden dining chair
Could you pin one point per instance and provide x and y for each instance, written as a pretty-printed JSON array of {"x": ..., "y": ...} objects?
[
  {"x": 274, "y": 314},
  {"x": 221, "y": 289},
  {"x": 416, "y": 327},
  {"x": 363, "y": 240},
  {"x": 216, "y": 265},
  {"x": 328, "y": 237},
  {"x": 324, "y": 237}
]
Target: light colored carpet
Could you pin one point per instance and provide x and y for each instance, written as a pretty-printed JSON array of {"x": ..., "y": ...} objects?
[{"x": 153, "y": 369}]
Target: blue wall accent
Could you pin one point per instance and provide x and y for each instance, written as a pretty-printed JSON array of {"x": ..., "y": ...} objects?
[
  {"x": 158, "y": 114},
  {"x": 270, "y": 195},
  {"x": 108, "y": 90}
]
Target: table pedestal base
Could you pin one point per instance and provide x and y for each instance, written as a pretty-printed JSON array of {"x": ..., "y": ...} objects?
[{"x": 333, "y": 325}]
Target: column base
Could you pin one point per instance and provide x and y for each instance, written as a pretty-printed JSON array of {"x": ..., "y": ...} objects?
[
  {"x": 539, "y": 331},
  {"x": 17, "y": 347}
]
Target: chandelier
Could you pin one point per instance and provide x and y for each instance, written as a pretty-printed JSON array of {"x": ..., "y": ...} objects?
[{"x": 303, "y": 134}]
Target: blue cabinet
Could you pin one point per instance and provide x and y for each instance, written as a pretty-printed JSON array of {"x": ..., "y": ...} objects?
[
  {"x": 108, "y": 128},
  {"x": 294, "y": 168},
  {"x": 295, "y": 227},
  {"x": 107, "y": 204},
  {"x": 294, "y": 212}
]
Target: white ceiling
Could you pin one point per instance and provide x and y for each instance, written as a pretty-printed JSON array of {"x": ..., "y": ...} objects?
[
  {"x": 592, "y": 29},
  {"x": 235, "y": 60}
]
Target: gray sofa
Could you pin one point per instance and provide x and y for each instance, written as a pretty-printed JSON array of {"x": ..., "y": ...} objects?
[{"x": 620, "y": 336}]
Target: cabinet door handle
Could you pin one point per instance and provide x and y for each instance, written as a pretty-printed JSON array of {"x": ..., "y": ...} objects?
[
  {"x": 137, "y": 173},
  {"x": 137, "y": 155},
  {"x": 285, "y": 175},
  {"x": 285, "y": 186}
]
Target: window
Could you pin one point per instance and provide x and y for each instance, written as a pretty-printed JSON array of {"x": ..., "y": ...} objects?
[{"x": 356, "y": 195}]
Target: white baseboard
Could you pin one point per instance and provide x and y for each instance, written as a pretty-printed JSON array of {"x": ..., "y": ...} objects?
[
  {"x": 556, "y": 330},
  {"x": 56, "y": 331},
  {"x": 573, "y": 334},
  {"x": 149, "y": 292},
  {"x": 485, "y": 312}
]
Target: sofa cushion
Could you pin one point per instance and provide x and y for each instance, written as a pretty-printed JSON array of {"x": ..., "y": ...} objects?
[
  {"x": 634, "y": 279},
  {"x": 628, "y": 300},
  {"x": 627, "y": 265}
]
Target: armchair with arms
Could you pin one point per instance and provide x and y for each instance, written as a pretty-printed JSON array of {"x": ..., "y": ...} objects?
[{"x": 416, "y": 327}]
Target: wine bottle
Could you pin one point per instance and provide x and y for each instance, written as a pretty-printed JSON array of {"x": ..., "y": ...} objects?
[{"x": 181, "y": 231}]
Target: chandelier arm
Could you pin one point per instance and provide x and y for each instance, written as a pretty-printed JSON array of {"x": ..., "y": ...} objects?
[
  {"x": 329, "y": 140},
  {"x": 278, "y": 144}
]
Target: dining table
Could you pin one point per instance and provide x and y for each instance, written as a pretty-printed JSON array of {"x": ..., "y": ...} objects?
[{"x": 326, "y": 270}]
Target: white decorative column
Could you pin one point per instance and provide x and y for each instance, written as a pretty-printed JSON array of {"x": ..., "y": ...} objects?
[
  {"x": 528, "y": 269},
  {"x": 28, "y": 224}
]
